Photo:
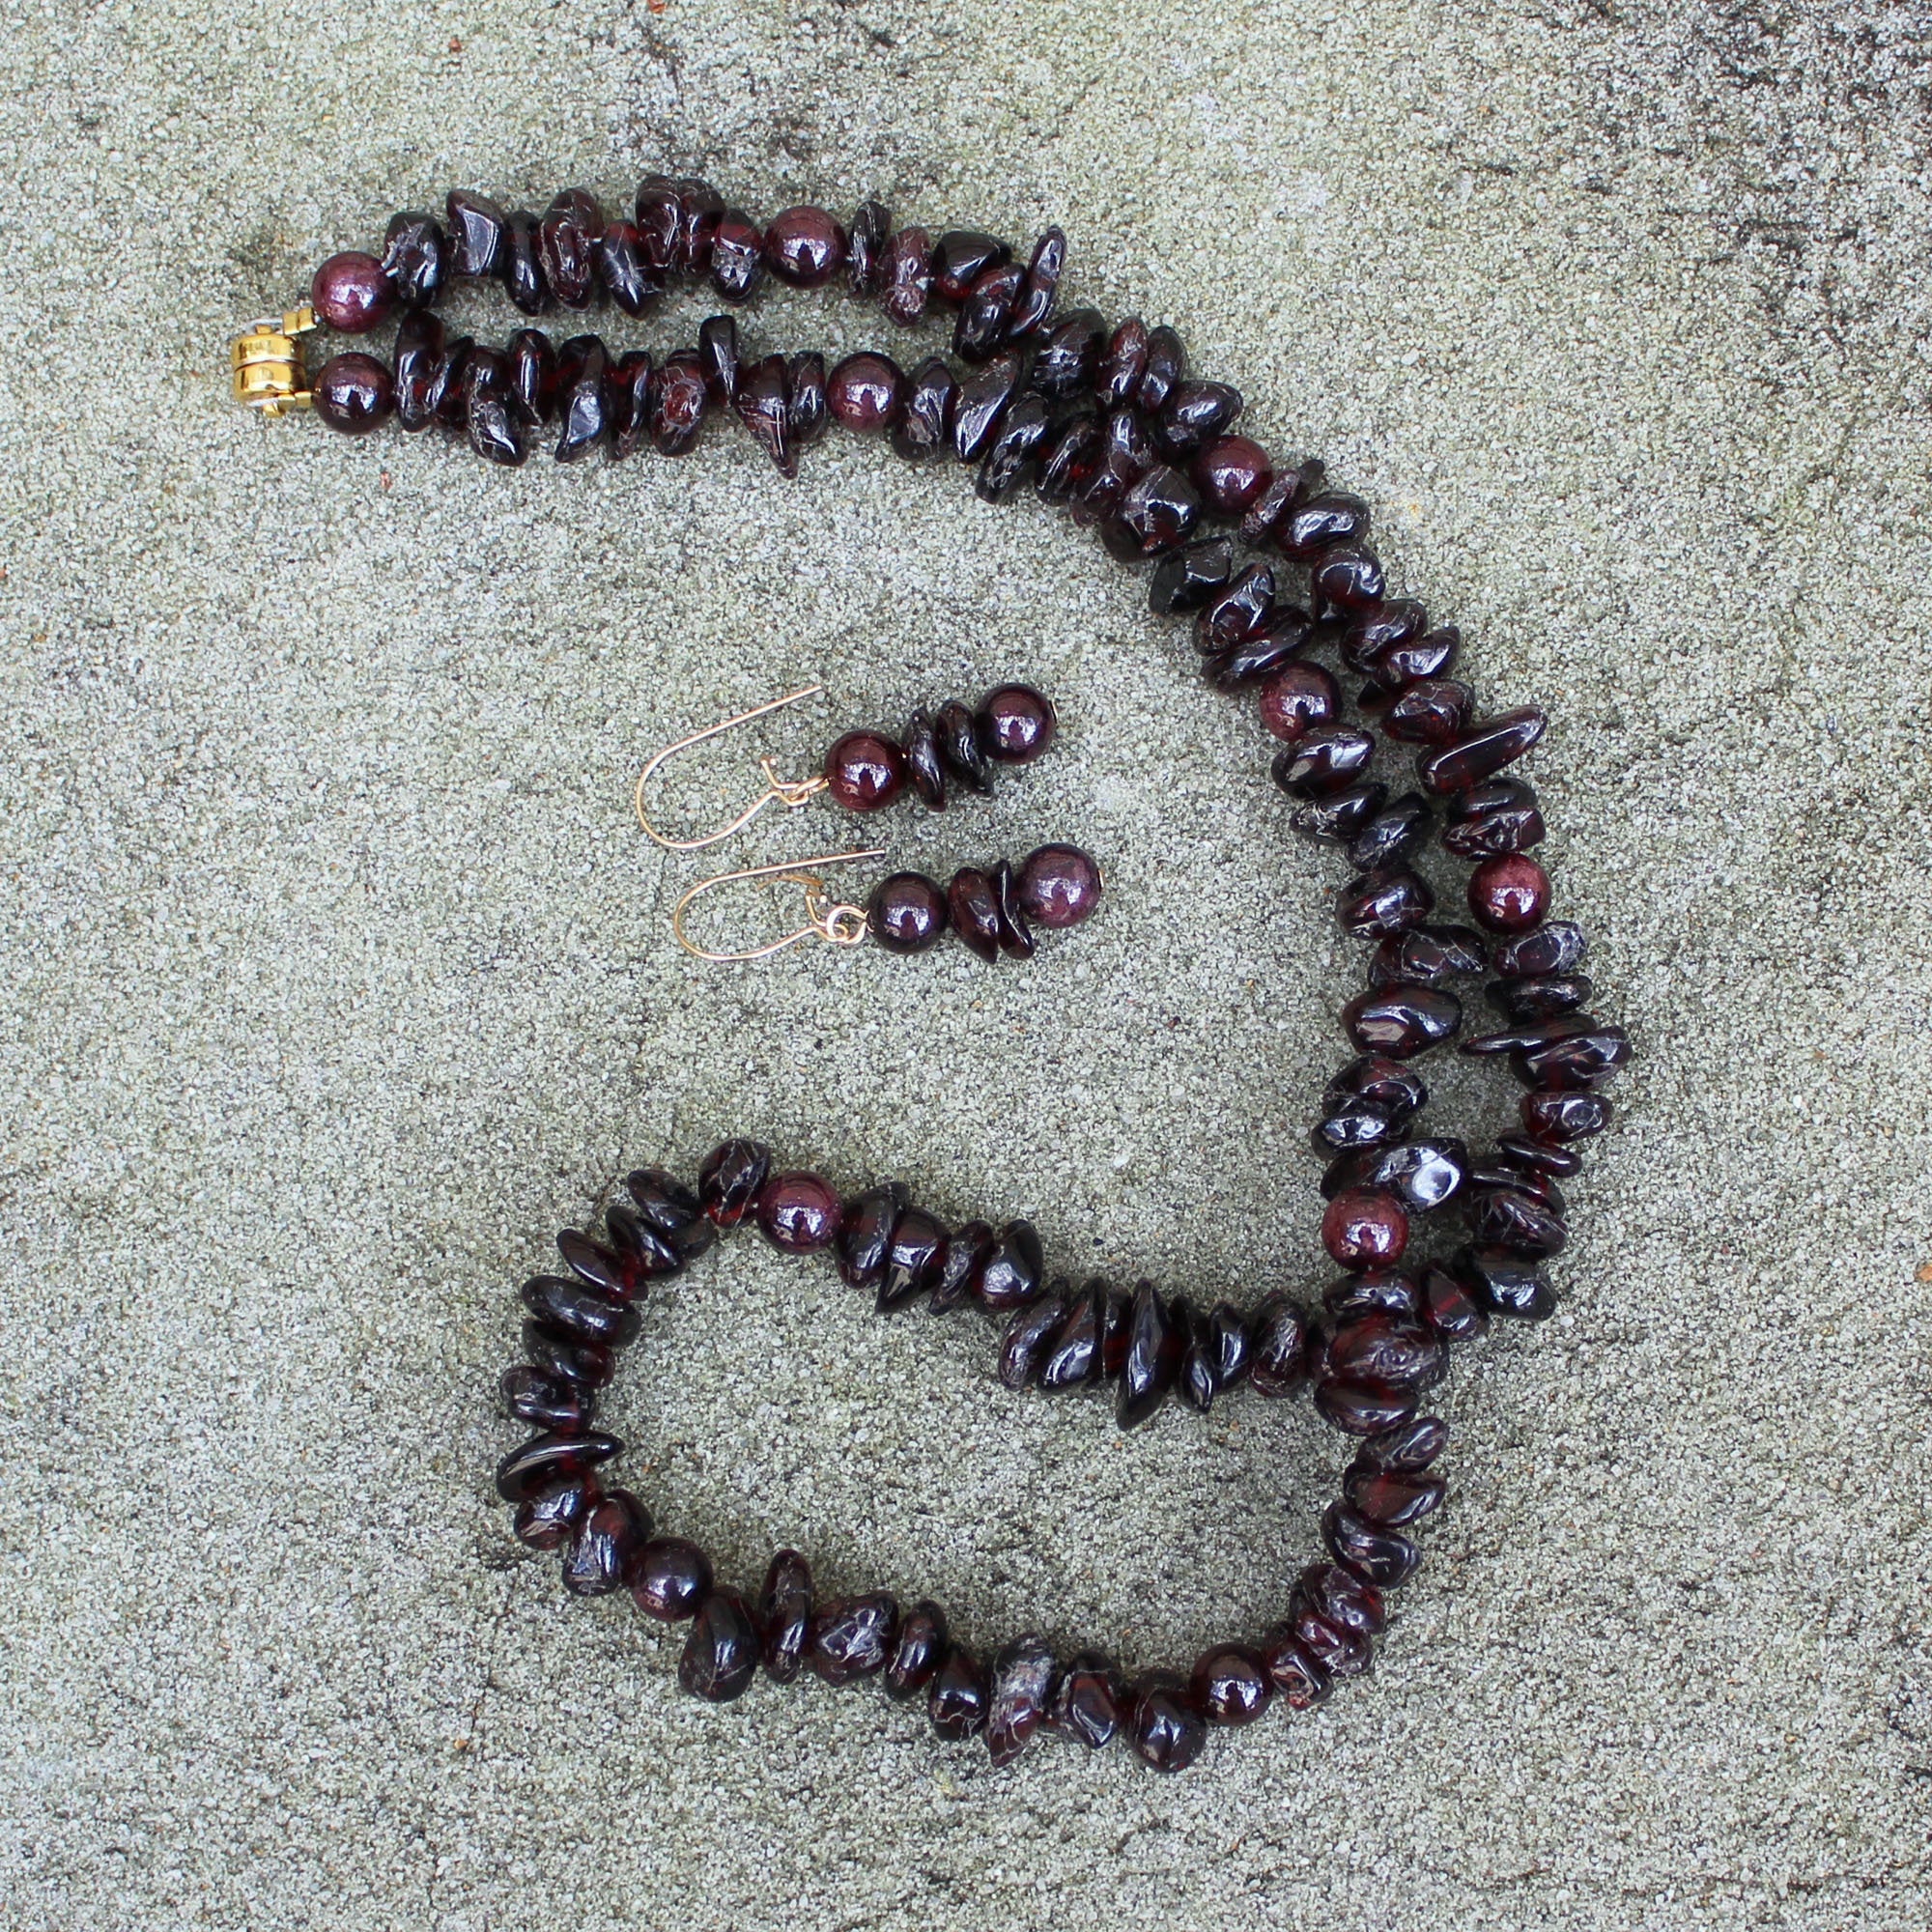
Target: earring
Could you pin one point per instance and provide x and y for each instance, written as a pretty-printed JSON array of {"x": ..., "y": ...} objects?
[
  {"x": 994, "y": 910},
  {"x": 865, "y": 770}
]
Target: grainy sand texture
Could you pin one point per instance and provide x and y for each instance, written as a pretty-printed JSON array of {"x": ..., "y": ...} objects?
[{"x": 337, "y": 977}]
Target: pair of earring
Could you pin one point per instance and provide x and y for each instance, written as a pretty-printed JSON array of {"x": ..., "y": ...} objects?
[{"x": 993, "y": 909}]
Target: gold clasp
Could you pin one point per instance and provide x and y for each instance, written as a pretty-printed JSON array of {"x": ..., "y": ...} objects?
[{"x": 267, "y": 363}]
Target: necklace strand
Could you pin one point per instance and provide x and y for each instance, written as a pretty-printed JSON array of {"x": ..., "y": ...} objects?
[{"x": 1108, "y": 424}]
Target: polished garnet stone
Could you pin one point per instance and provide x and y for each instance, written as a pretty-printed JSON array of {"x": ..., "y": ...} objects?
[
  {"x": 864, "y": 771},
  {"x": 1299, "y": 700},
  {"x": 1016, "y": 723},
  {"x": 1509, "y": 892},
  {"x": 906, "y": 912},
  {"x": 1059, "y": 886},
  {"x": 353, "y": 393},
  {"x": 351, "y": 293},
  {"x": 730, "y": 1180},
  {"x": 805, "y": 247},
  {"x": 721, "y": 1655},
  {"x": 1232, "y": 471},
  {"x": 1166, "y": 1726},
  {"x": 669, "y": 1578},
  {"x": 1363, "y": 1229},
  {"x": 798, "y": 1214},
  {"x": 865, "y": 392},
  {"x": 785, "y": 1615},
  {"x": 961, "y": 1697},
  {"x": 1231, "y": 1684},
  {"x": 918, "y": 1651}
]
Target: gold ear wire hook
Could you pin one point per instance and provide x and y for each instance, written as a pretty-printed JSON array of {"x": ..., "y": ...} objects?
[
  {"x": 835, "y": 924},
  {"x": 791, "y": 793}
]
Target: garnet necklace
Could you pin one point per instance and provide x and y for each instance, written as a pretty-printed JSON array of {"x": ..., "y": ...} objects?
[{"x": 1108, "y": 423}]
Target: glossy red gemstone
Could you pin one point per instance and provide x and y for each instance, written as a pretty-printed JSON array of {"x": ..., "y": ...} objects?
[
  {"x": 353, "y": 393},
  {"x": 1015, "y": 723},
  {"x": 1059, "y": 886},
  {"x": 1297, "y": 699},
  {"x": 799, "y": 1213},
  {"x": 351, "y": 293},
  {"x": 1509, "y": 892},
  {"x": 1364, "y": 1228},
  {"x": 1232, "y": 471},
  {"x": 805, "y": 247},
  {"x": 864, "y": 771},
  {"x": 865, "y": 392}
]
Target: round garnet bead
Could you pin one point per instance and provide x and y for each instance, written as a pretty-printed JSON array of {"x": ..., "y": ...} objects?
[
  {"x": 799, "y": 1213},
  {"x": 864, "y": 771},
  {"x": 1299, "y": 700},
  {"x": 865, "y": 392},
  {"x": 1059, "y": 886},
  {"x": 353, "y": 393},
  {"x": 1016, "y": 723},
  {"x": 1232, "y": 470},
  {"x": 1364, "y": 1228},
  {"x": 804, "y": 246},
  {"x": 1509, "y": 893},
  {"x": 351, "y": 293},
  {"x": 908, "y": 913}
]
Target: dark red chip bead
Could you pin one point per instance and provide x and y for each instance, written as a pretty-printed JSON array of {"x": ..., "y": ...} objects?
[
  {"x": 853, "y": 1637},
  {"x": 581, "y": 1312},
  {"x": 1383, "y": 1558},
  {"x": 959, "y": 258},
  {"x": 351, "y": 293},
  {"x": 1384, "y": 903},
  {"x": 1391, "y": 1498},
  {"x": 1156, "y": 1343},
  {"x": 1362, "y": 1409},
  {"x": 1348, "y": 576},
  {"x": 1401, "y": 1021},
  {"x": 783, "y": 1616},
  {"x": 549, "y": 1457},
  {"x": 721, "y": 1653},
  {"x": 906, "y": 912},
  {"x": 1426, "y": 957},
  {"x": 1278, "y": 1340},
  {"x": 1321, "y": 763},
  {"x": 546, "y": 1519},
  {"x": 1481, "y": 751},
  {"x": 981, "y": 402},
  {"x": 1506, "y": 1284},
  {"x": 521, "y": 268},
  {"x": 1165, "y": 1726},
  {"x": 736, "y": 256},
  {"x": 1029, "y": 1339},
  {"x": 905, "y": 275},
  {"x": 805, "y": 247},
  {"x": 1157, "y": 514},
  {"x": 730, "y": 1180},
  {"x": 1509, "y": 893},
  {"x": 1015, "y": 723},
  {"x": 1557, "y": 947},
  {"x": 606, "y": 1544},
  {"x": 1089, "y": 1701},
  {"x": 865, "y": 1233},
  {"x": 1411, "y": 1449},
  {"x": 566, "y": 246},
  {"x": 1295, "y": 1673},
  {"x": 799, "y": 1213},
  {"x": 1041, "y": 286},
  {"x": 1562, "y": 1117},
  {"x": 1433, "y": 712},
  {"x": 763, "y": 405},
  {"x": 975, "y": 912},
  {"x": 918, "y": 1651},
  {"x": 589, "y": 1364},
  {"x": 960, "y": 1698},
  {"x": 1452, "y": 1312},
  {"x": 1022, "y": 1682},
  {"x": 865, "y": 393},
  {"x": 1058, "y": 886},
  {"x": 1231, "y": 1684},
  {"x": 678, "y": 401},
  {"x": 864, "y": 771},
  {"x": 1362, "y": 1229},
  {"x": 1008, "y": 1272},
  {"x": 960, "y": 751},
  {"x": 669, "y": 1578},
  {"x": 475, "y": 228},
  {"x": 547, "y": 1401},
  {"x": 353, "y": 393}
]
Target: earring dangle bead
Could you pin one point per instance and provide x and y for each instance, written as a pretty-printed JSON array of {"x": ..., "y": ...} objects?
[
  {"x": 1111, "y": 424},
  {"x": 865, "y": 770}
]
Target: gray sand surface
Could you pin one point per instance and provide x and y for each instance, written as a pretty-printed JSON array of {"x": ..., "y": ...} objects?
[{"x": 337, "y": 977}]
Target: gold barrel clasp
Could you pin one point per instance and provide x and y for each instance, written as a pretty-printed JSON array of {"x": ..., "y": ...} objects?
[{"x": 267, "y": 363}]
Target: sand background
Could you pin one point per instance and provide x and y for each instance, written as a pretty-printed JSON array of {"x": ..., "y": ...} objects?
[{"x": 336, "y": 976}]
